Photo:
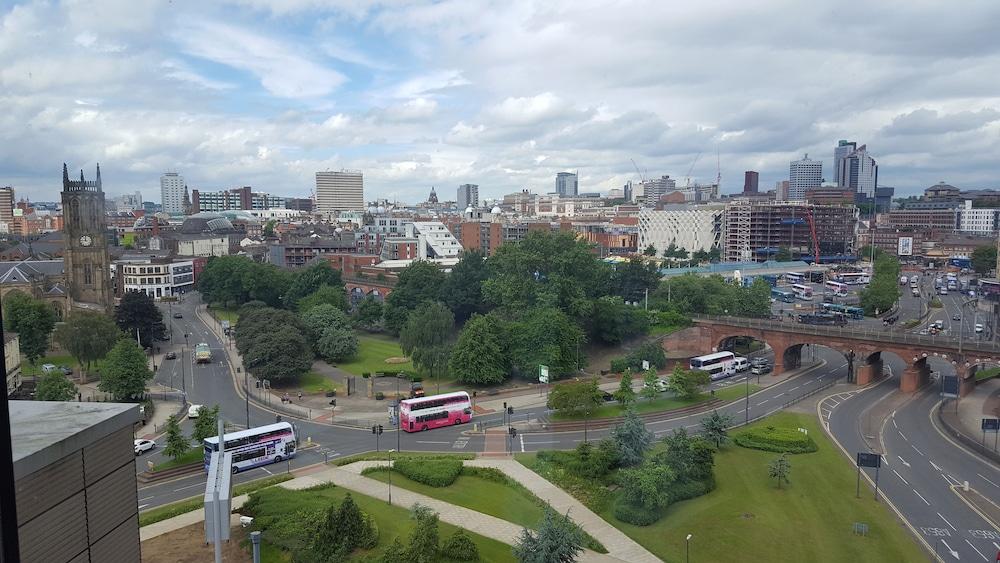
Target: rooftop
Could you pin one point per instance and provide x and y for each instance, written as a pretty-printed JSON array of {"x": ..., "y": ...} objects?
[{"x": 43, "y": 432}]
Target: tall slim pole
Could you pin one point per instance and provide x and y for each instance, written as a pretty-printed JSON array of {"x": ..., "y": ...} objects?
[
  {"x": 747, "y": 410},
  {"x": 246, "y": 393}
]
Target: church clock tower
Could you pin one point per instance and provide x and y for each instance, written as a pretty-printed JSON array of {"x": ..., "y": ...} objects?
[{"x": 86, "y": 261}]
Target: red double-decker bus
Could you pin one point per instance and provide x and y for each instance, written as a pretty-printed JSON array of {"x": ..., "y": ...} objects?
[{"x": 425, "y": 413}]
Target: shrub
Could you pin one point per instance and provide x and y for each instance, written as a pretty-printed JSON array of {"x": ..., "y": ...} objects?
[
  {"x": 369, "y": 533},
  {"x": 588, "y": 461},
  {"x": 690, "y": 489},
  {"x": 435, "y": 473},
  {"x": 290, "y": 532},
  {"x": 649, "y": 351},
  {"x": 379, "y": 396},
  {"x": 771, "y": 439},
  {"x": 636, "y": 516},
  {"x": 460, "y": 547}
]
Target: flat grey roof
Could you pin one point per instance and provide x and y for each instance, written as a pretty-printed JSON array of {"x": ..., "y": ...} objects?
[{"x": 43, "y": 432}]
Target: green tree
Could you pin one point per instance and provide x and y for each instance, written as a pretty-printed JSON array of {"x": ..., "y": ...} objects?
[
  {"x": 631, "y": 280},
  {"x": 625, "y": 395},
  {"x": 125, "y": 372},
  {"x": 320, "y": 318},
  {"x": 649, "y": 251},
  {"x": 783, "y": 254},
  {"x": 136, "y": 312},
  {"x": 395, "y": 553},
  {"x": 632, "y": 439},
  {"x": 984, "y": 259},
  {"x": 233, "y": 280},
  {"x": 646, "y": 486},
  {"x": 258, "y": 322},
  {"x": 882, "y": 292},
  {"x": 463, "y": 287},
  {"x": 434, "y": 362},
  {"x": 481, "y": 354},
  {"x": 780, "y": 469},
  {"x": 418, "y": 283},
  {"x": 576, "y": 397},
  {"x": 54, "y": 386},
  {"x": 341, "y": 531},
  {"x": 369, "y": 313},
  {"x": 206, "y": 425},
  {"x": 309, "y": 279},
  {"x": 32, "y": 319},
  {"x": 547, "y": 337},
  {"x": 649, "y": 385},
  {"x": 715, "y": 427},
  {"x": 558, "y": 540},
  {"x": 177, "y": 445},
  {"x": 284, "y": 355},
  {"x": 337, "y": 344},
  {"x": 613, "y": 321},
  {"x": 87, "y": 335},
  {"x": 268, "y": 231},
  {"x": 424, "y": 538},
  {"x": 460, "y": 547},
  {"x": 324, "y": 295},
  {"x": 687, "y": 384},
  {"x": 429, "y": 325}
]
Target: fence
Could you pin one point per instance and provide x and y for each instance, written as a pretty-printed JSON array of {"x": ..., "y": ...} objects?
[{"x": 950, "y": 422}]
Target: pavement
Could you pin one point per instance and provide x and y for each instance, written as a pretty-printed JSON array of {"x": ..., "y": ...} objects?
[{"x": 983, "y": 402}]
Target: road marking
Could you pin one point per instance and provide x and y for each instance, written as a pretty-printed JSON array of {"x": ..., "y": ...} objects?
[
  {"x": 900, "y": 477},
  {"x": 922, "y": 497},
  {"x": 987, "y": 480},
  {"x": 556, "y": 441},
  {"x": 147, "y": 498},
  {"x": 950, "y": 550},
  {"x": 997, "y": 546},
  {"x": 916, "y": 449},
  {"x": 522, "y": 443},
  {"x": 901, "y": 432},
  {"x": 977, "y": 550},
  {"x": 951, "y": 479},
  {"x": 935, "y": 466},
  {"x": 190, "y": 486},
  {"x": 761, "y": 403},
  {"x": 266, "y": 471},
  {"x": 141, "y": 506},
  {"x": 794, "y": 388},
  {"x": 947, "y": 522},
  {"x": 894, "y": 425},
  {"x": 903, "y": 461},
  {"x": 429, "y": 442}
]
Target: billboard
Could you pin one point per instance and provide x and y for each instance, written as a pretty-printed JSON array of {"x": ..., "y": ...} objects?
[{"x": 904, "y": 246}]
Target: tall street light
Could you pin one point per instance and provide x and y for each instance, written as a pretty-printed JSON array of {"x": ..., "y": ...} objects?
[
  {"x": 390, "y": 475},
  {"x": 687, "y": 548}
]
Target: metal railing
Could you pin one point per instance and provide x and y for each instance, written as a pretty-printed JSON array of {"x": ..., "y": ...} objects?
[{"x": 854, "y": 333}]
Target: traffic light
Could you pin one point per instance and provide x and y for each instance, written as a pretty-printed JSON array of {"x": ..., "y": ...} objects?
[
  {"x": 510, "y": 410},
  {"x": 512, "y": 431},
  {"x": 377, "y": 429}
]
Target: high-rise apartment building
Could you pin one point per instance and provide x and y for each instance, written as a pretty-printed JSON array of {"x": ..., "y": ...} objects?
[
  {"x": 7, "y": 205},
  {"x": 842, "y": 149},
  {"x": 750, "y": 179},
  {"x": 803, "y": 175},
  {"x": 172, "y": 192},
  {"x": 566, "y": 184},
  {"x": 654, "y": 188},
  {"x": 237, "y": 198},
  {"x": 339, "y": 191},
  {"x": 858, "y": 172},
  {"x": 468, "y": 196}
]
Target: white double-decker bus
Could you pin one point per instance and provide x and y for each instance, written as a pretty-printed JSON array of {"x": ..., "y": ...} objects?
[
  {"x": 255, "y": 447},
  {"x": 803, "y": 292},
  {"x": 718, "y": 365},
  {"x": 838, "y": 289}
]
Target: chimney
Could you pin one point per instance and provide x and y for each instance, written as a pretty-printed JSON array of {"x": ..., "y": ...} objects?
[{"x": 156, "y": 226}]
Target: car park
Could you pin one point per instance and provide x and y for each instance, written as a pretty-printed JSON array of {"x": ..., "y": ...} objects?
[{"x": 144, "y": 446}]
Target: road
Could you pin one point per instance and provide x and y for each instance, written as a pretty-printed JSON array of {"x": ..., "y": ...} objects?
[
  {"x": 920, "y": 467},
  {"x": 213, "y": 384}
]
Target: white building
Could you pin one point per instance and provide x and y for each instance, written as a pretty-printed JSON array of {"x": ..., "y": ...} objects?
[
  {"x": 172, "y": 192},
  {"x": 468, "y": 196},
  {"x": 981, "y": 221},
  {"x": 803, "y": 175},
  {"x": 692, "y": 227},
  {"x": 277, "y": 214},
  {"x": 131, "y": 202},
  {"x": 434, "y": 240},
  {"x": 858, "y": 172},
  {"x": 155, "y": 277},
  {"x": 339, "y": 191}
]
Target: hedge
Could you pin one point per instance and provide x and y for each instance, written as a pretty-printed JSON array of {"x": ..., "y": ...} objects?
[
  {"x": 690, "y": 489},
  {"x": 435, "y": 473},
  {"x": 460, "y": 547},
  {"x": 635, "y": 515},
  {"x": 781, "y": 440}
]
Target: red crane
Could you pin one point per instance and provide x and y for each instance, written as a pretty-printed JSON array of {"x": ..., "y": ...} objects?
[{"x": 812, "y": 230}]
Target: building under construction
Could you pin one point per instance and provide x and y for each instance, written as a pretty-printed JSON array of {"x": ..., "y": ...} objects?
[{"x": 756, "y": 230}]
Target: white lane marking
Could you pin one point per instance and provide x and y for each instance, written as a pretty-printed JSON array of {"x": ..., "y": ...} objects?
[
  {"x": 266, "y": 471},
  {"x": 904, "y": 461},
  {"x": 922, "y": 497},
  {"x": 947, "y": 522},
  {"x": 761, "y": 403},
  {"x": 894, "y": 425},
  {"x": 794, "y": 388},
  {"x": 522, "y": 443},
  {"x": 950, "y": 550},
  {"x": 916, "y": 449},
  {"x": 997, "y": 546},
  {"x": 556, "y": 441},
  {"x": 935, "y": 466},
  {"x": 141, "y": 506},
  {"x": 951, "y": 480},
  {"x": 987, "y": 480},
  {"x": 977, "y": 550},
  {"x": 147, "y": 498},
  {"x": 900, "y": 477},
  {"x": 903, "y": 435},
  {"x": 428, "y": 442},
  {"x": 190, "y": 486}
]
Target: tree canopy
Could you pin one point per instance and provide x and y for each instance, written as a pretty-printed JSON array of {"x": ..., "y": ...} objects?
[
  {"x": 309, "y": 279},
  {"x": 462, "y": 289},
  {"x": 126, "y": 371},
  {"x": 137, "y": 312},
  {"x": 234, "y": 280},
  {"x": 575, "y": 397},
  {"x": 883, "y": 290},
  {"x": 481, "y": 354},
  {"x": 713, "y": 295},
  {"x": 87, "y": 335},
  {"x": 984, "y": 259},
  {"x": 418, "y": 283},
  {"x": 558, "y": 540},
  {"x": 54, "y": 386},
  {"x": 32, "y": 319}
]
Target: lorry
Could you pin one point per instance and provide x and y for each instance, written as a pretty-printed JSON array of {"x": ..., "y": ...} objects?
[{"x": 202, "y": 354}]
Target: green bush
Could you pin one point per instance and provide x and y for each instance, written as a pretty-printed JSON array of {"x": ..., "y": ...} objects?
[
  {"x": 435, "y": 473},
  {"x": 588, "y": 461},
  {"x": 369, "y": 533},
  {"x": 290, "y": 533},
  {"x": 679, "y": 491},
  {"x": 649, "y": 351},
  {"x": 635, "y": 515},
  {"x": 460, "y": 547},
  {"x": 771, "y": 439},
  {"x": 619, "y": 365}
]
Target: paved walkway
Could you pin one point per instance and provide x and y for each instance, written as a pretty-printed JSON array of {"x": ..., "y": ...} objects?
[{"x": 983, "y": 402}]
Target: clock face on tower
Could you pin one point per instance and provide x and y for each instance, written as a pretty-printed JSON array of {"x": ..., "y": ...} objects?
[{"x": 86, "y": 240}]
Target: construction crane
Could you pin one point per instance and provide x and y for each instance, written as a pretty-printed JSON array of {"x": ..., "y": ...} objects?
[
  {"x": 642, "y": 177},
  {"x": 812, "y": 229},
  {"x": 687, "y": 180},
  {"x": 718, "y": 170}
]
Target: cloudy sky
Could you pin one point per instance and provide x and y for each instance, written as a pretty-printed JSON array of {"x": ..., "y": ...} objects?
[{"x": 504, "y": 94}]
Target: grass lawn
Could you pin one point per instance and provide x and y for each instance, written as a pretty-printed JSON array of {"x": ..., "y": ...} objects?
[
  {"x": 393, "y": 521},
  {"x": 196, "y": 453},
  {"x": 372, "y": 352},
  {"x": 223, "y": 314},
  {"x": 27, "y": 368},
  {"x": 641, "y": 406},
  {"x": 316, "y": 383},
  {"x": 383, "y": 456},
  {"x": 808, "y": 520},
  {"x": 986, "y": 373},
  {"x": 663, "y": 330}
]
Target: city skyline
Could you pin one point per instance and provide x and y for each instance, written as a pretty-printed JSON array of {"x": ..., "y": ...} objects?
[{"x": 242, "y": 93}]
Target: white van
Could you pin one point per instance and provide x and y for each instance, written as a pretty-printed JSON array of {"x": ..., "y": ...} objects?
[{"x": 740, "y": 364}]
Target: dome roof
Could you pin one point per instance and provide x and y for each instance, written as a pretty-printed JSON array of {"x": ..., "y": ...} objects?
[
  {"x": 496, "y": 209},
  {"x": 469, "y": 209}
]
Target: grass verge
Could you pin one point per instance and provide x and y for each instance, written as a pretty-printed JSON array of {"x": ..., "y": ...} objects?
[
  {"x": 373, "y": 350},
  {"x": 223, "y": 314},
  {"x": 746, "y": 507},
  {"x": 313, "y": 383},
  {"x": 987, "y": 373},
  {"x": 195, "y": 453},
  {"x": 393, "y": 521},
  {"x": 383, "y": 456},
  {"x": 161, "y": 513},
  {"x": 484, "y": 490},
  {"x": 642, "y": 406}
]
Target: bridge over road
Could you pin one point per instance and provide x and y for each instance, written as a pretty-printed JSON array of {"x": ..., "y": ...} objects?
[{"x": 861, "y": 348}]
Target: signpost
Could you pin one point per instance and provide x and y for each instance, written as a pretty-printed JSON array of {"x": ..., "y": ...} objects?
[
  {"x": 949, "y": 386},
  {"x": 991, "y": 425},
  {"x": 543, "y": 374},
  {"x": 868, "y": 460}
]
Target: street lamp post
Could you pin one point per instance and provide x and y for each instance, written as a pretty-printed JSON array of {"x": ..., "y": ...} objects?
[
  {"x": 390, "y": 475},
  {"x": 747, "y": 410},
  {"x": 687, "y": 548},
  {"x": 246, "y": 392}
]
